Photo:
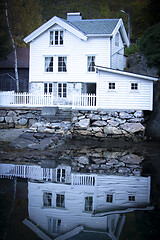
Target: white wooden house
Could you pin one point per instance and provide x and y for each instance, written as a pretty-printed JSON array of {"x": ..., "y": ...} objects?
[{"x": 63, "y": 59}]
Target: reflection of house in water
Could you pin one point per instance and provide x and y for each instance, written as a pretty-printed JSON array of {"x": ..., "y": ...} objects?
[{"x": 61, "y": 201}]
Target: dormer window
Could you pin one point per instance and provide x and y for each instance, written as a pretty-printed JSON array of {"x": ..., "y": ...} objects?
[
  {"x": 56, "y": 38},
  {"x": 91, "y": 63}
]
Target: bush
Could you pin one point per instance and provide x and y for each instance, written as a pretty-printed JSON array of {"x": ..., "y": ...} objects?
[
  {"x": 149, "y": 45},
  {"x": 133, "y": 48}
]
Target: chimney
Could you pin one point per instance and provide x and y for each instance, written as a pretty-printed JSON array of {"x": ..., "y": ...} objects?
[{"x": 74, "y": 16}]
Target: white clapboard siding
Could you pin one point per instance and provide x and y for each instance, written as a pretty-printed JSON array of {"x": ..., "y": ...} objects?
[
  {"x": 74, "y": 215},
  {"x": 76, "y": 51},
  {"x": 123, "y": 97}
]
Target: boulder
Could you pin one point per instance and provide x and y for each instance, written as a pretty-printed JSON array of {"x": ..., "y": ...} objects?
[
  {"x": 99, "y": 123},
  {"x": 125, "y": 115},
  {"x": 22, "y": 121},
  {"x": 83, "y": 160},
  {"x": 133, "y": 127},
  {"x": 132, "y": 159},
  {"x": 84, "y": 123},
  {"x": 112, "y": 130}
]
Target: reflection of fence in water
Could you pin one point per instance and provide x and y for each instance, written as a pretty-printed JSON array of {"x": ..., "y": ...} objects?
[{"x": 85, "y": 180}]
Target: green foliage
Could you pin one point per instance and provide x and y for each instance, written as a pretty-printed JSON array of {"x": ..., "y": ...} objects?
[
  {"x": 132, "y": 49},
  {"x": 150, "y": 45}
]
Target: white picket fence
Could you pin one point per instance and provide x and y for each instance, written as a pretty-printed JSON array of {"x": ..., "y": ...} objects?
[{"x": 12, "y": 99}]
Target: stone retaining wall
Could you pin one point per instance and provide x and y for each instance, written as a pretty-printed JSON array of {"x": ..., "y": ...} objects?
[
  {"x": 88, "y": 124},
  {"x": 105, "y": 123}
]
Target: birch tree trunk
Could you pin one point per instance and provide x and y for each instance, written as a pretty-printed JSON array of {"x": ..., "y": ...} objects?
[{"x": 14, "y": 48}]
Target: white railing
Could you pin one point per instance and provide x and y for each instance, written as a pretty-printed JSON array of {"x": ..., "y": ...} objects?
[
  {"x": 10, "y": 99},
  {"x": 83, "y": 180},
  {"x": 84, "y": 100}
]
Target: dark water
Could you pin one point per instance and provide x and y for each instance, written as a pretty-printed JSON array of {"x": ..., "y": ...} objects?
[{"x": 119, "y": 199}]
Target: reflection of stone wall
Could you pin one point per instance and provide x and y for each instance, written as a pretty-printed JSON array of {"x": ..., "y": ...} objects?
[{"x": 105, "y": 123}]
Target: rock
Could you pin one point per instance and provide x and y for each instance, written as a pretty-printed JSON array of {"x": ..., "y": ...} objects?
[
  {"x": 84, "y": 123},
  {"x": 8, "y": 119},
  {"x": 1, "y": 119},
  {"x": 99, "y": 160},
  {"x": 22, "y": 121},
  {"x": 106, "y": 117},
  {"x": 133, "y": 127},
  {"x": 21, "y": 143},
  {"x": 113, "y": 123},
  {"x": 138, "y": 114},
  {"x": 112, "y": 131},
  {"x": 125, "y": 115},
  {"x": 42, "y": 145},
  {"x": 99, "y": 134},
  {"x": 99, "y": 123},
  {"x": 96, "y": 129},
  {"x": 82, "y": 160},
  {"x": 132, "y": 159},
  {"x": 95, "y": 117}
]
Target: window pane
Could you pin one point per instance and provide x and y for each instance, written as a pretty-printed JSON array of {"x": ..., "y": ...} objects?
[
  {"x": 59, "y": 89},
  {"x": 111, "y": 85},
  {"x": 60, "y": 201},
  {"x": 88, "y": 204},
  {"x": 62, "y": 64},
  {"x": 56, "y": 37},
  {"x": 48, "y": 64},
  {"x": 47, "y": 199},
  {"x": 50, "y": 87},
  {"x": 61, "y": 37},
  {"x": 109, "y": 198},
  {"x": 51, "y": 37},
  {"x": 91, "y": 63},
  {"x": 134, "y": 86},
  {"x": 45, "y": 87}
]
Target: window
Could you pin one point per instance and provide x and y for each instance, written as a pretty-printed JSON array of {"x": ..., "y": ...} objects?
[
  {"x": 112, "y": 85},
  {"x": 62, "y": 90},
  {"x": 117, "y": 40},
  {"x": 48, "y": 88},
  {"x": 56, "y": 38},
  {"x": 131, "y": 198},
  {"x": 60, "y": 201},
  {"x": 91, "y": 64},
  {"x": 88, "y": 204},
  {"x": 54, "y": 225},
  {"x": 48, "y": 64},
  {"x": 134, "y": 86},
  {"x": 60, "y": 175},
  {"x": 47, "y": 199},
  {"x": 62, "y": 64},
  {"x": 109, "y": 198}
]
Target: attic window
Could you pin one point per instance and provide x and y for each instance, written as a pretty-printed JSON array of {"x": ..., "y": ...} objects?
[
  {"x": 56, "y": 38},
  {"x": 117, "y": 40}
]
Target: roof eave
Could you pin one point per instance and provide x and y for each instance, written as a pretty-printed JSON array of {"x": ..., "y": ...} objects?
[
  {"x": 99, "y": 35},
  {"x": 126, "y": 73},
  {"x": 50, "y": 23}
]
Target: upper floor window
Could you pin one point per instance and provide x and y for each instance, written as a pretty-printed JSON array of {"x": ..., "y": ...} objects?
[
  {"x": 62, "y": 64},
  {"x": 47, "y": 199},
  {"x": 60, "y": 200},
  {"x": 109, "y": 198},
  {"x": 134, "y": 86},
  {"x": 117, "y": 40},
  {"x": 56, "y": 37},
  {"x": 54, "y": 225},
  {"x": 61, "y": 175},
  {"x": 48, "y": 64},
  {"x": 91, "y": 64},
  {"x": 131, "y": 198}
]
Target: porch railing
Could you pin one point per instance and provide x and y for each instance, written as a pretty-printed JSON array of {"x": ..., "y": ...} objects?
[
  {"x": 10, "y": 99},
  {"x": 83, "y": 180}
]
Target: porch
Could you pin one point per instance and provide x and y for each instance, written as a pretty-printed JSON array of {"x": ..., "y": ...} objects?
[{"x": 12, "y": 99}]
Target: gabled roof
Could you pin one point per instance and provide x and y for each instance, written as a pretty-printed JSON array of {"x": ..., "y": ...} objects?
[
  {"x": 95, "y": 26},
  {"x": 83, "y": 28},
  {"x": 105, "y": 69}
]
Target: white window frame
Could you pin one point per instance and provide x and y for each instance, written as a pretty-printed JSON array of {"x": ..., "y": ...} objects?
[
  {"x": 58, "y": 228},
  {"x": 48, "y": 88},
  {"x": 91, "y": 62},
  {"x": 56, "y": 40},
  {"x": 133, "y": 86},
  {"x": 62, "y": 177},
  {"x": 117, "y": 39},
  {"x": 62, "y": 90},
  {"x": 47, "y": 62},
  {"x": 63, "y": 67},
  {"x": 50, "y": 205},
  {"x": 108, "y": 86},
  {"x": 87, "y": 207},
  {"x": 61, "y": 203}
]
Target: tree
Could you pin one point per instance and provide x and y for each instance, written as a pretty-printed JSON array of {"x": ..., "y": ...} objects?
[
  {"x": 150, "y": 45},
  {"x": 14, "y": 47}
]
